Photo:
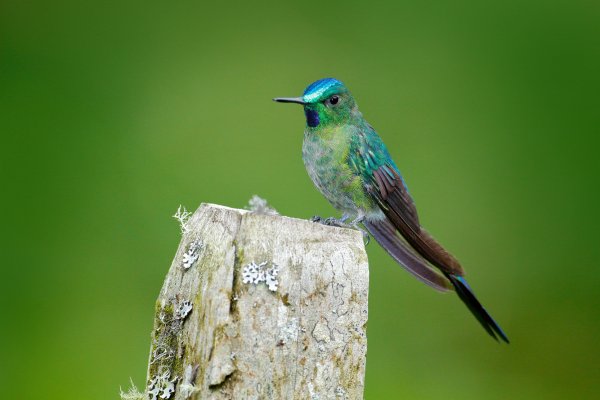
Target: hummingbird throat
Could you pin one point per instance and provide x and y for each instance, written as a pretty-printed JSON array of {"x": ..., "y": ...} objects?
[{"x": 312, "y": 117}]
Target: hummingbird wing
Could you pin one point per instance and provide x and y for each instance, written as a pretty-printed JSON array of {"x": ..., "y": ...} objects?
[
  {"x": 380, "y": 182},
  {"x": 389, "y": 190},
  {"x": 385, "y": 185}
]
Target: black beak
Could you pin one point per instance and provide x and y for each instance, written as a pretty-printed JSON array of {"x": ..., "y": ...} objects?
[{"x": 290, "y": 100}]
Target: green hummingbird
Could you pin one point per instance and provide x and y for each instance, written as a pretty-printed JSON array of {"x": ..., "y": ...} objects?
[{"x": 351, "y": 166}]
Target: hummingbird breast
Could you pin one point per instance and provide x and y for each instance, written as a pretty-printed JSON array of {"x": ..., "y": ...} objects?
[{"x": 325, "y": 154}]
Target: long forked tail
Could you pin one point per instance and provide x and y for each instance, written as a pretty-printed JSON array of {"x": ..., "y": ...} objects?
[
  {"x": 387, "y": 236},
  {"x": 468, "y": 297}
]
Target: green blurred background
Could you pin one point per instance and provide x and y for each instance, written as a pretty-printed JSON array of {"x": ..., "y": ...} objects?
[{"x": 114, "y": 113}]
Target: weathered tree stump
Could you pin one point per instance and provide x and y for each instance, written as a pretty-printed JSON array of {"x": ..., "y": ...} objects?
[{"x": 259, "y": 306}]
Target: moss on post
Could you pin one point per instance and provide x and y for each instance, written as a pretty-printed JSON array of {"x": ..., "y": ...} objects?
[{"x": 257, "y": 305}]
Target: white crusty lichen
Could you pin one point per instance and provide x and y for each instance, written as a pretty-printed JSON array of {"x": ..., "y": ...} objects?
[
  {"x": 257, "y": 273},
  {"x": 192, "y": 254},
  {"x": 182, "y": 215},
  {"x": 183, "y": 309},
  {"x": 252, "y": 272},
  {"x": 161, "y": 386},
  {"x": 260, "y": 206},
  {"x": 133, "y": 393}
]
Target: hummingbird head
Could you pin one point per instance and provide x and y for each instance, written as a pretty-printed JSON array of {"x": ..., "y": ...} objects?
[{"x": 326, "y": 101}]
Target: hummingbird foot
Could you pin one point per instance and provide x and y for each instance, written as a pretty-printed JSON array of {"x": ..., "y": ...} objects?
[
  {"x": 341, "y": 223},
  {"x": 331, "y": 221}
]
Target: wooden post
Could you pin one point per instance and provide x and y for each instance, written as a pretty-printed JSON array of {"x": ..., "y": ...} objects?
[{"x": 259, "y": 306}]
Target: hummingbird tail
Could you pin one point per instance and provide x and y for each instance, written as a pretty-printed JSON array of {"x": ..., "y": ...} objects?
[
  {"x": 468, "y": 297},
  {"x": 386, "y": 235}
]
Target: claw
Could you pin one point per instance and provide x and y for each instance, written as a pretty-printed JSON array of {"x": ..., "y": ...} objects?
[
  {"x": 335, "y": 222},
  {"x": 341, "y": 223},
  {"x": 316, "y": 218},
  {"x": 331, "y": 221}
]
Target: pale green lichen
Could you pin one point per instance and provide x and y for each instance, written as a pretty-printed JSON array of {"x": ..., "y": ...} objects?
[
  {"x": 192, "y": 254},
  {"x": 133, "y": 393},
  {"x": 166, "y": 356},
  {"x": 162, "y": 386},
  {"x": 182, "y": 215}
]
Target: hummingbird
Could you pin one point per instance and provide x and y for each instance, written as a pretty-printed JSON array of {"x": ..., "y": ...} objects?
[{"x": 351, "y": 166}]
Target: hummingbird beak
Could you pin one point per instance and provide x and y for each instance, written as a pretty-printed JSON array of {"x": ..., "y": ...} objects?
[{"x": 298, "y": 100}]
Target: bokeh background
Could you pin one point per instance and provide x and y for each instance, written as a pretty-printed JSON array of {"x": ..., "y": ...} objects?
[{"x": 113, "y": 113}]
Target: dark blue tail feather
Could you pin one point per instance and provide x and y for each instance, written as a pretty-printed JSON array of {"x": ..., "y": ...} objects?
[{"x": 468, "y": 297}]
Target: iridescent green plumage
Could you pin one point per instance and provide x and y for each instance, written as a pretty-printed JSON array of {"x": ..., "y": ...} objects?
[{"x": 351, "y": 166}]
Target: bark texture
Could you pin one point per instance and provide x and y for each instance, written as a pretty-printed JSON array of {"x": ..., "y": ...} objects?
[{"x": 259, "y": 306}]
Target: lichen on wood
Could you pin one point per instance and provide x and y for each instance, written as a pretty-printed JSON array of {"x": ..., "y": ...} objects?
[{"x": 303, "y": 339}]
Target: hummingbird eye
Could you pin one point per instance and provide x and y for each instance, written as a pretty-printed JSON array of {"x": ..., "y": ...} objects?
[{"x": 333, "y": 100}]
